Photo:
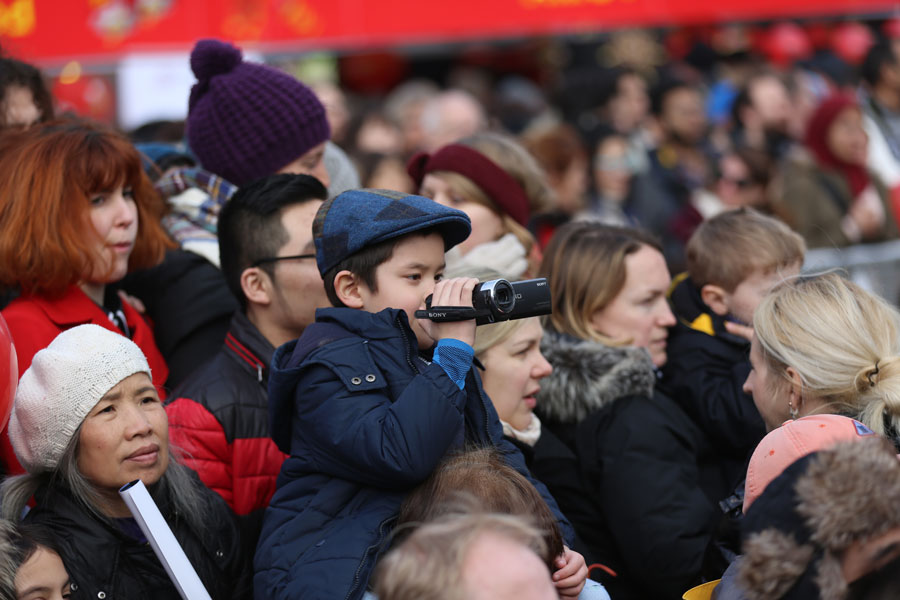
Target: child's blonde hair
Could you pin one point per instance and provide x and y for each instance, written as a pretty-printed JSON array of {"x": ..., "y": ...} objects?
[{"x": 730, "y": 247}]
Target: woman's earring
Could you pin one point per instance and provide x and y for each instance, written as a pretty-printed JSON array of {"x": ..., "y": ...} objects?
[{"x": 793, "y": 411}]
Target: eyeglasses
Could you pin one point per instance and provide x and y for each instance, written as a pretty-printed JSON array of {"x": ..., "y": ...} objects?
[{"x": 277, "y": 258}]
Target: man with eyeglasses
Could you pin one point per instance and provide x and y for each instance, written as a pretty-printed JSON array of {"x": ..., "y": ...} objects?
[{"x": 220, "y": 415}]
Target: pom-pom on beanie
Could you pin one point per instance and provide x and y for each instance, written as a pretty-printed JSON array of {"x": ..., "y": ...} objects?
[
  {"x": 247, "y": 120},
  {"x": 64, "y": 382}
]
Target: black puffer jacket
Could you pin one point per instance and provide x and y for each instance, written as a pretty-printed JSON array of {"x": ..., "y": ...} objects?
[
  {"x": 705, "y": 374},
  {"x": 189, "y": 304},
  {"x": 103, "y": 562},
  {"x": 648, "y": 469}
]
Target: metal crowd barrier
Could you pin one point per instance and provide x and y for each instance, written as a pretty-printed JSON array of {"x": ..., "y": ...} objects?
[{"x": 875, "y": 267}]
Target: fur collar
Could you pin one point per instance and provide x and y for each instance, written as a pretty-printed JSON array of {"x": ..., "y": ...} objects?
[{"x": 588, "y": 376}]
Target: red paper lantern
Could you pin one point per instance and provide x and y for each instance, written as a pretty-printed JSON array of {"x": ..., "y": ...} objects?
[
  {"x": 891, "y": 28},
  {"x": 851, "y": 41},
  {"x": 785, "y": 43}
]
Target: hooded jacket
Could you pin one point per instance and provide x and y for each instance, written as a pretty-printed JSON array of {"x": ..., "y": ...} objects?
[
  {"x": 103, "y": 562},
  {"x": 647, "y": 467},
  {"x": 365, "y": 419},
  {"x": 705, "y": 375}
]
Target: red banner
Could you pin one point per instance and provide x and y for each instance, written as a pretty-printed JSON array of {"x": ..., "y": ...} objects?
[{"x": 54, "y": 31}]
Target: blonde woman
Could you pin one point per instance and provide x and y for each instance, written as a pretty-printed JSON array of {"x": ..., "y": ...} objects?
[
  {"x": 650, "y": 473},
  {"x": 514, "y": 369},
  {"x": 494, "y": 180},
  {"x": 824, "y": 345}
]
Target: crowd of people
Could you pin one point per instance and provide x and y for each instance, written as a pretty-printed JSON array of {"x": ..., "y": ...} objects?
[{"x": 230, "y": 316}]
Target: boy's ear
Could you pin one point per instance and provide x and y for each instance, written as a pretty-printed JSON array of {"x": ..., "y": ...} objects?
[
  {"x": 256, "y": 285},
  {"x": 347, "y": 289},
  {"x": 715, "y": 298}
]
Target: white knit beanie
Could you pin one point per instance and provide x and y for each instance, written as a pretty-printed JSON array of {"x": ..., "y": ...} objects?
[{"x": 64, "y": 382}]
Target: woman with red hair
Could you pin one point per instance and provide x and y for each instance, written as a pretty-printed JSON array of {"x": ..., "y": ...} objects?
[
  {"x": 77, "y": 213},
  {"x": 829, "y": 196}
]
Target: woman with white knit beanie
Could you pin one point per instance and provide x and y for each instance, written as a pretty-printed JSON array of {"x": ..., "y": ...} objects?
[{"x": 86, "y": 421}]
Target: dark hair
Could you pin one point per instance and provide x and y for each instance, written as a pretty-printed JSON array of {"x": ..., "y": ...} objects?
[
  {"x": 879, "y": 55},
  {"x": 368, "y": 164},
  {"x": 556, "y": 148},
  {"x": 161, "y": 131},
  {"x": 362, "y": 264},
  {"x": 603, "y": 133},
  {"x": 608, "y": 81},
  {"x": 759, "y": 164},
  {"x": 740, "y": 102},
  {"x": 744, "y": 100},
  {"x": 662, "y": 91},
  {"x": 17, "y": 73},
  {"x": 18, "y": 543},
  {"x": 250, "y": 225}
]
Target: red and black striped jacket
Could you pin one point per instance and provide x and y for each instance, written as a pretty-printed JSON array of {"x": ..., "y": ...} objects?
[{"x": 219, "y": 417}]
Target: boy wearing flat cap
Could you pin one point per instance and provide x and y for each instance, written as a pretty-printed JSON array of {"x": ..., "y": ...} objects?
[{"x": 370, "y": 399}]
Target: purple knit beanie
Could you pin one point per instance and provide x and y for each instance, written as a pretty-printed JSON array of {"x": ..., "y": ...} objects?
[{"x": 247, "y": 120}]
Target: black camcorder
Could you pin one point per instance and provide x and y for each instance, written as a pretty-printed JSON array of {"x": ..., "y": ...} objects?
[{"x": 496, "y": 300}]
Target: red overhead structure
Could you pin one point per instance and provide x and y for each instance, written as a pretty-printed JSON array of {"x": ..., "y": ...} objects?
[{"x": 53, "y": 31}]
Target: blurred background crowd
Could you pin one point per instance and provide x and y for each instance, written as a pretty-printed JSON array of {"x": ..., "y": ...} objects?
[{"x": 658, "y": 127}]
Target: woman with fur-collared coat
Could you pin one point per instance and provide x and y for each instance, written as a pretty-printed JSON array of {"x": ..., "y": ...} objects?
[{"x": 647, "y": 468}]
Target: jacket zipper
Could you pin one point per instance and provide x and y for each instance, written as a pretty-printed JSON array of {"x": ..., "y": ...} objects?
[
  {"x": 245, "y": 354},
  {"x": 374, "y": 546},
  {"x": 409, "y": 360},
  {"x": 412, "y": 365},
  {"x": 484, "y": 401}
]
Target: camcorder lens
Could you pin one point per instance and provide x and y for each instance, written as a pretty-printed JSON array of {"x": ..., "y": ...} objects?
[{"x": 504, "y": 296}]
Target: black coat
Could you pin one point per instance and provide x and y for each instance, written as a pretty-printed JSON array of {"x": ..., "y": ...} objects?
[
  {"x": 189, "y": 303},
  {"x": 104, "y": 562},
  {"x": 705, "y": 374},
  {"x": 554, "y": 464},
  {"x": 648, "y": 470}
]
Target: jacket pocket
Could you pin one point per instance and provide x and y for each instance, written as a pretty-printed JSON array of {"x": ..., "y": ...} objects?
[{"x": 352, "y": 362}]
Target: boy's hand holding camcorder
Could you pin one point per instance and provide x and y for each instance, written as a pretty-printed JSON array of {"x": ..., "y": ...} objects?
[
  {"x": 493, "y": 301},
  {"x": 456, "y": 293}
]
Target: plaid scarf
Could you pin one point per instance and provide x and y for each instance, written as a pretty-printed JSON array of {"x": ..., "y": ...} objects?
[{"x": 195, "y": 198}]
